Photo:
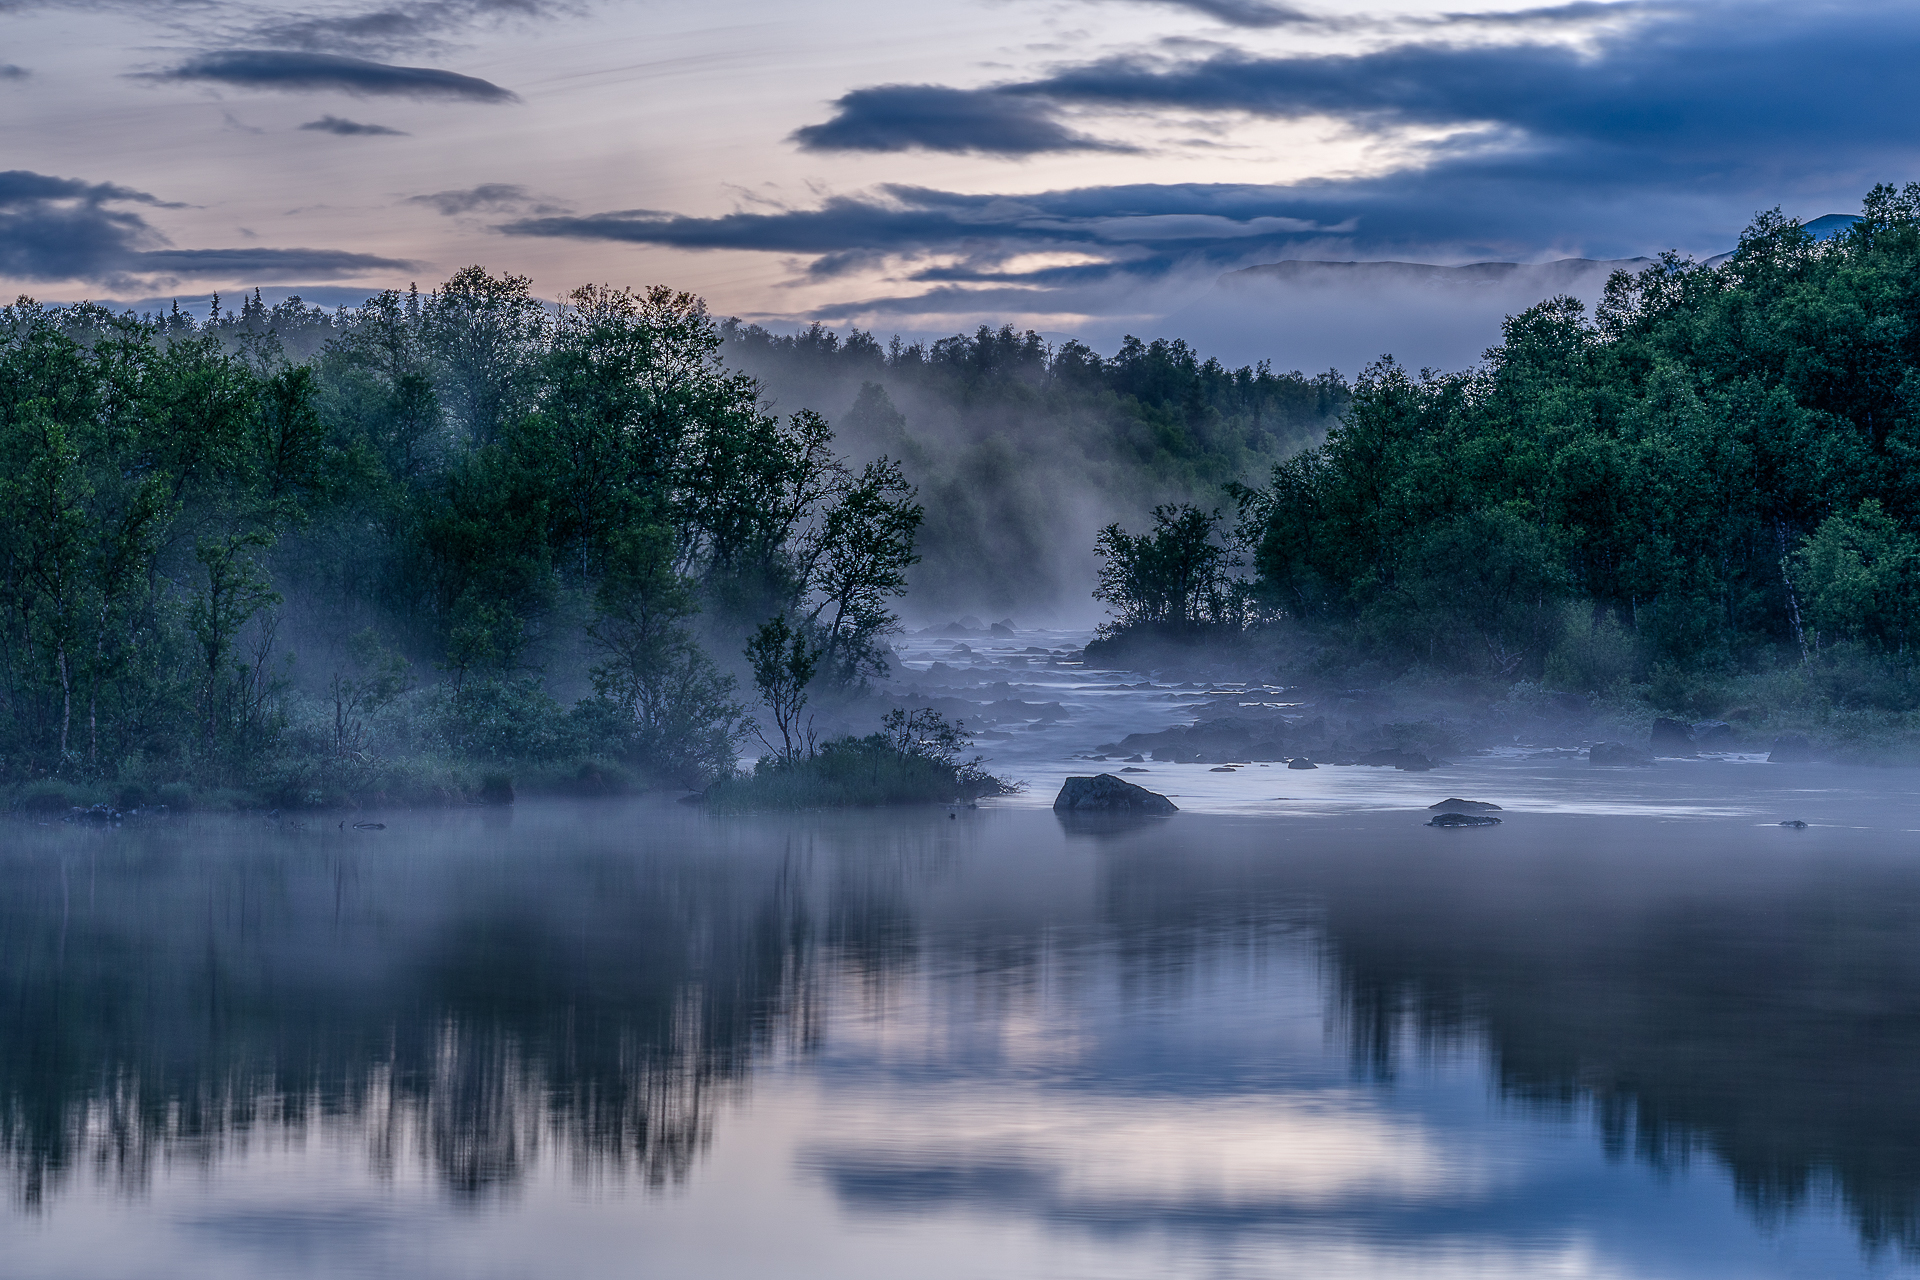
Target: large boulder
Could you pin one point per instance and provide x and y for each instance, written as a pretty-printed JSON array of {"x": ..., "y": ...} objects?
[
  {"x": 1108, "y": 794},
  {"x": 1454, "y": 804},
  {"x": 1616, "y": 753},
  {"x": 1791, "y": 748},
  {"x": 1671, "y": 738},
  {"x": 1713, "y": 735}
]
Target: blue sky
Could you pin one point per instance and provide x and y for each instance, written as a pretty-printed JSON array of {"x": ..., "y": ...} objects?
[{"x": 1078, "y": 165}]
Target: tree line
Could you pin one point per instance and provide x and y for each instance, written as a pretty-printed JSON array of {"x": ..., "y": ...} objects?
[
  {"x": 1712, "y": 474},
  {"x": 278, "y": 548}
]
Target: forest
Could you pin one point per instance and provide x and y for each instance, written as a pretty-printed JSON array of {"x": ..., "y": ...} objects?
[
  {"x": 424, "y": 547},
  {"x": 1702, "y": 495},
  {"x": 449, "y": 539}
]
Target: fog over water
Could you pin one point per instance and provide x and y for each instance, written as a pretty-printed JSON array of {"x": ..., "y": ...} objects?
[{"x": 1639, "y": 1029}]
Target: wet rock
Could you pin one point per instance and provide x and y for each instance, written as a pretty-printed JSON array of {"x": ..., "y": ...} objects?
[
  {"x": 1108, "y": 794},
  {"x": 1223, "y": 769},
  {"x": 1671, "y": 738},
  {"x": 1713, "y": 735},
  {"x": 1464, "y": 820},
  {"x": 1136, "y": 771},
  {"x": 1301, "y": 762},
  {"x": 1136, "y": 758},
  {"x": 1454, "y": 804},
  {"x": 1002, "y": 629},
  {"x": 1791, "y": 748},
  {"x": 1617, "y": 753},
  {"x": 1795, "y": 823}
]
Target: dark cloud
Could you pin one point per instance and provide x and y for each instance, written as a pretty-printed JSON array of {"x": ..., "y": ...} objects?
[
  {"x": 64, "y": 229},
  {"x": 1662, "y": 125},
  {"x": 896, "y": 117},
  {"x": 339, "y": 26},
  {"x": 10, "y": 72},
  {"x": 1246, "y": 13},
  {"x": 326, "y": 72},
  {"x": 262, "y": 264},
  {"x": 390, "y": 28},
  {"x": 488, "y": 197},
  {"x": 351, "y": 128},
  {"x": 1729, "y": 92}
]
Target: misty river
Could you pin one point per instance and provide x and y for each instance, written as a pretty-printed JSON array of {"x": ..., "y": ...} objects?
[{"x": 1639, "y": 1030}]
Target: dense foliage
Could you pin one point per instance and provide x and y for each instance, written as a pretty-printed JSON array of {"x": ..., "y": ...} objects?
[
  {"x": 223, "y": 565},
  {"x": 1712, "y": 475}
]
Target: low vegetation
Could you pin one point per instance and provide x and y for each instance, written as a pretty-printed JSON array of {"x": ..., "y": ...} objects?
[{"x": 916, "y": 758}]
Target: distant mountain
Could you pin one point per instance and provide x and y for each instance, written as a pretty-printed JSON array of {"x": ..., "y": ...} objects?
[{"x": 1831, "y": 224}]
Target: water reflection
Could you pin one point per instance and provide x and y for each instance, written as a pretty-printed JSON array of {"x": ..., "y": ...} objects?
[{"x": 1223, "y": 1030}]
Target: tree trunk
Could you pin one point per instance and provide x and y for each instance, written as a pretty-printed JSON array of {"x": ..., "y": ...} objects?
[{"x": 1793, "y": 598}]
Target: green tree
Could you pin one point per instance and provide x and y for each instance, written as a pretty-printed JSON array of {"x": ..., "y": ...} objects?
[{"x": 784, "y": 662}]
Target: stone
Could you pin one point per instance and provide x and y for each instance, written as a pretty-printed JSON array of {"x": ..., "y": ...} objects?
[
  {"x": 1301, "y": 762},
  {"x": 1714, "y": 735},
  {"x": 1453, "y": 804},
  {"x": 1791, "y": 748},
  {"x": 1795, "y": 823},
  {"x": 1671, "y": 738},
  {"x": 1616, "y": 753},
  {"x": 1108, "y": 794},
  {"x": 1464, "y": 820}
]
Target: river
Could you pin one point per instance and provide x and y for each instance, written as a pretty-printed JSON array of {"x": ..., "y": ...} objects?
[{"x": 1637, "y": 1030}]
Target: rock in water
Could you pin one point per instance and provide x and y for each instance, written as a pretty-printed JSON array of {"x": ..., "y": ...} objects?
[
  {"x": 1795, "y": 823},
  {"x": 1715, "y": 735},
  {"x": 1671, "y": 738},
  {"x": 1108, "y": 794},
  {"x": 1456, "y": 805},
  {"x": 1301, "y": 762},
  {"x": 1464, "y": 820},
  {"x": 1616, "y": 753}
]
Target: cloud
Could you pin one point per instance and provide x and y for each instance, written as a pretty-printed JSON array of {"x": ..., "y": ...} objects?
[
  {"x": 1701, "y": 93},
  {"x": 390, "y": 28},
  {"x": 896, "y": 117},
  {"x": 325, "y": 26},
  {"x": 10, "y": 72},
  {"x": 64, "y": 229},
  {"x": 263, "y": 264},
  {"x": 488, "y": 197},
  {"x": 351, "y": 128},
  {"x": 1247, "y": 13},
  {"x": 326, "y": 72}
]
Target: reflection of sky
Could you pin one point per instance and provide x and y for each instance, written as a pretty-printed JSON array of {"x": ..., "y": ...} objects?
[
  {"x": 1041, "y": 1080},
  {"x": 1215, "y": 1130}
]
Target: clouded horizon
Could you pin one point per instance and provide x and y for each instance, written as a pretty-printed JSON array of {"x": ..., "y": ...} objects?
[{"x": 1080, "y": 166}]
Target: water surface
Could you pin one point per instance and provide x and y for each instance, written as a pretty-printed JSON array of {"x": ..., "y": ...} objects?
[{"x": 1638, "y": 1030}]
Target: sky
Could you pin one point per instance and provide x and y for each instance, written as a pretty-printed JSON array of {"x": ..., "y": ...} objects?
[{"x": 1085, "y": 167}]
